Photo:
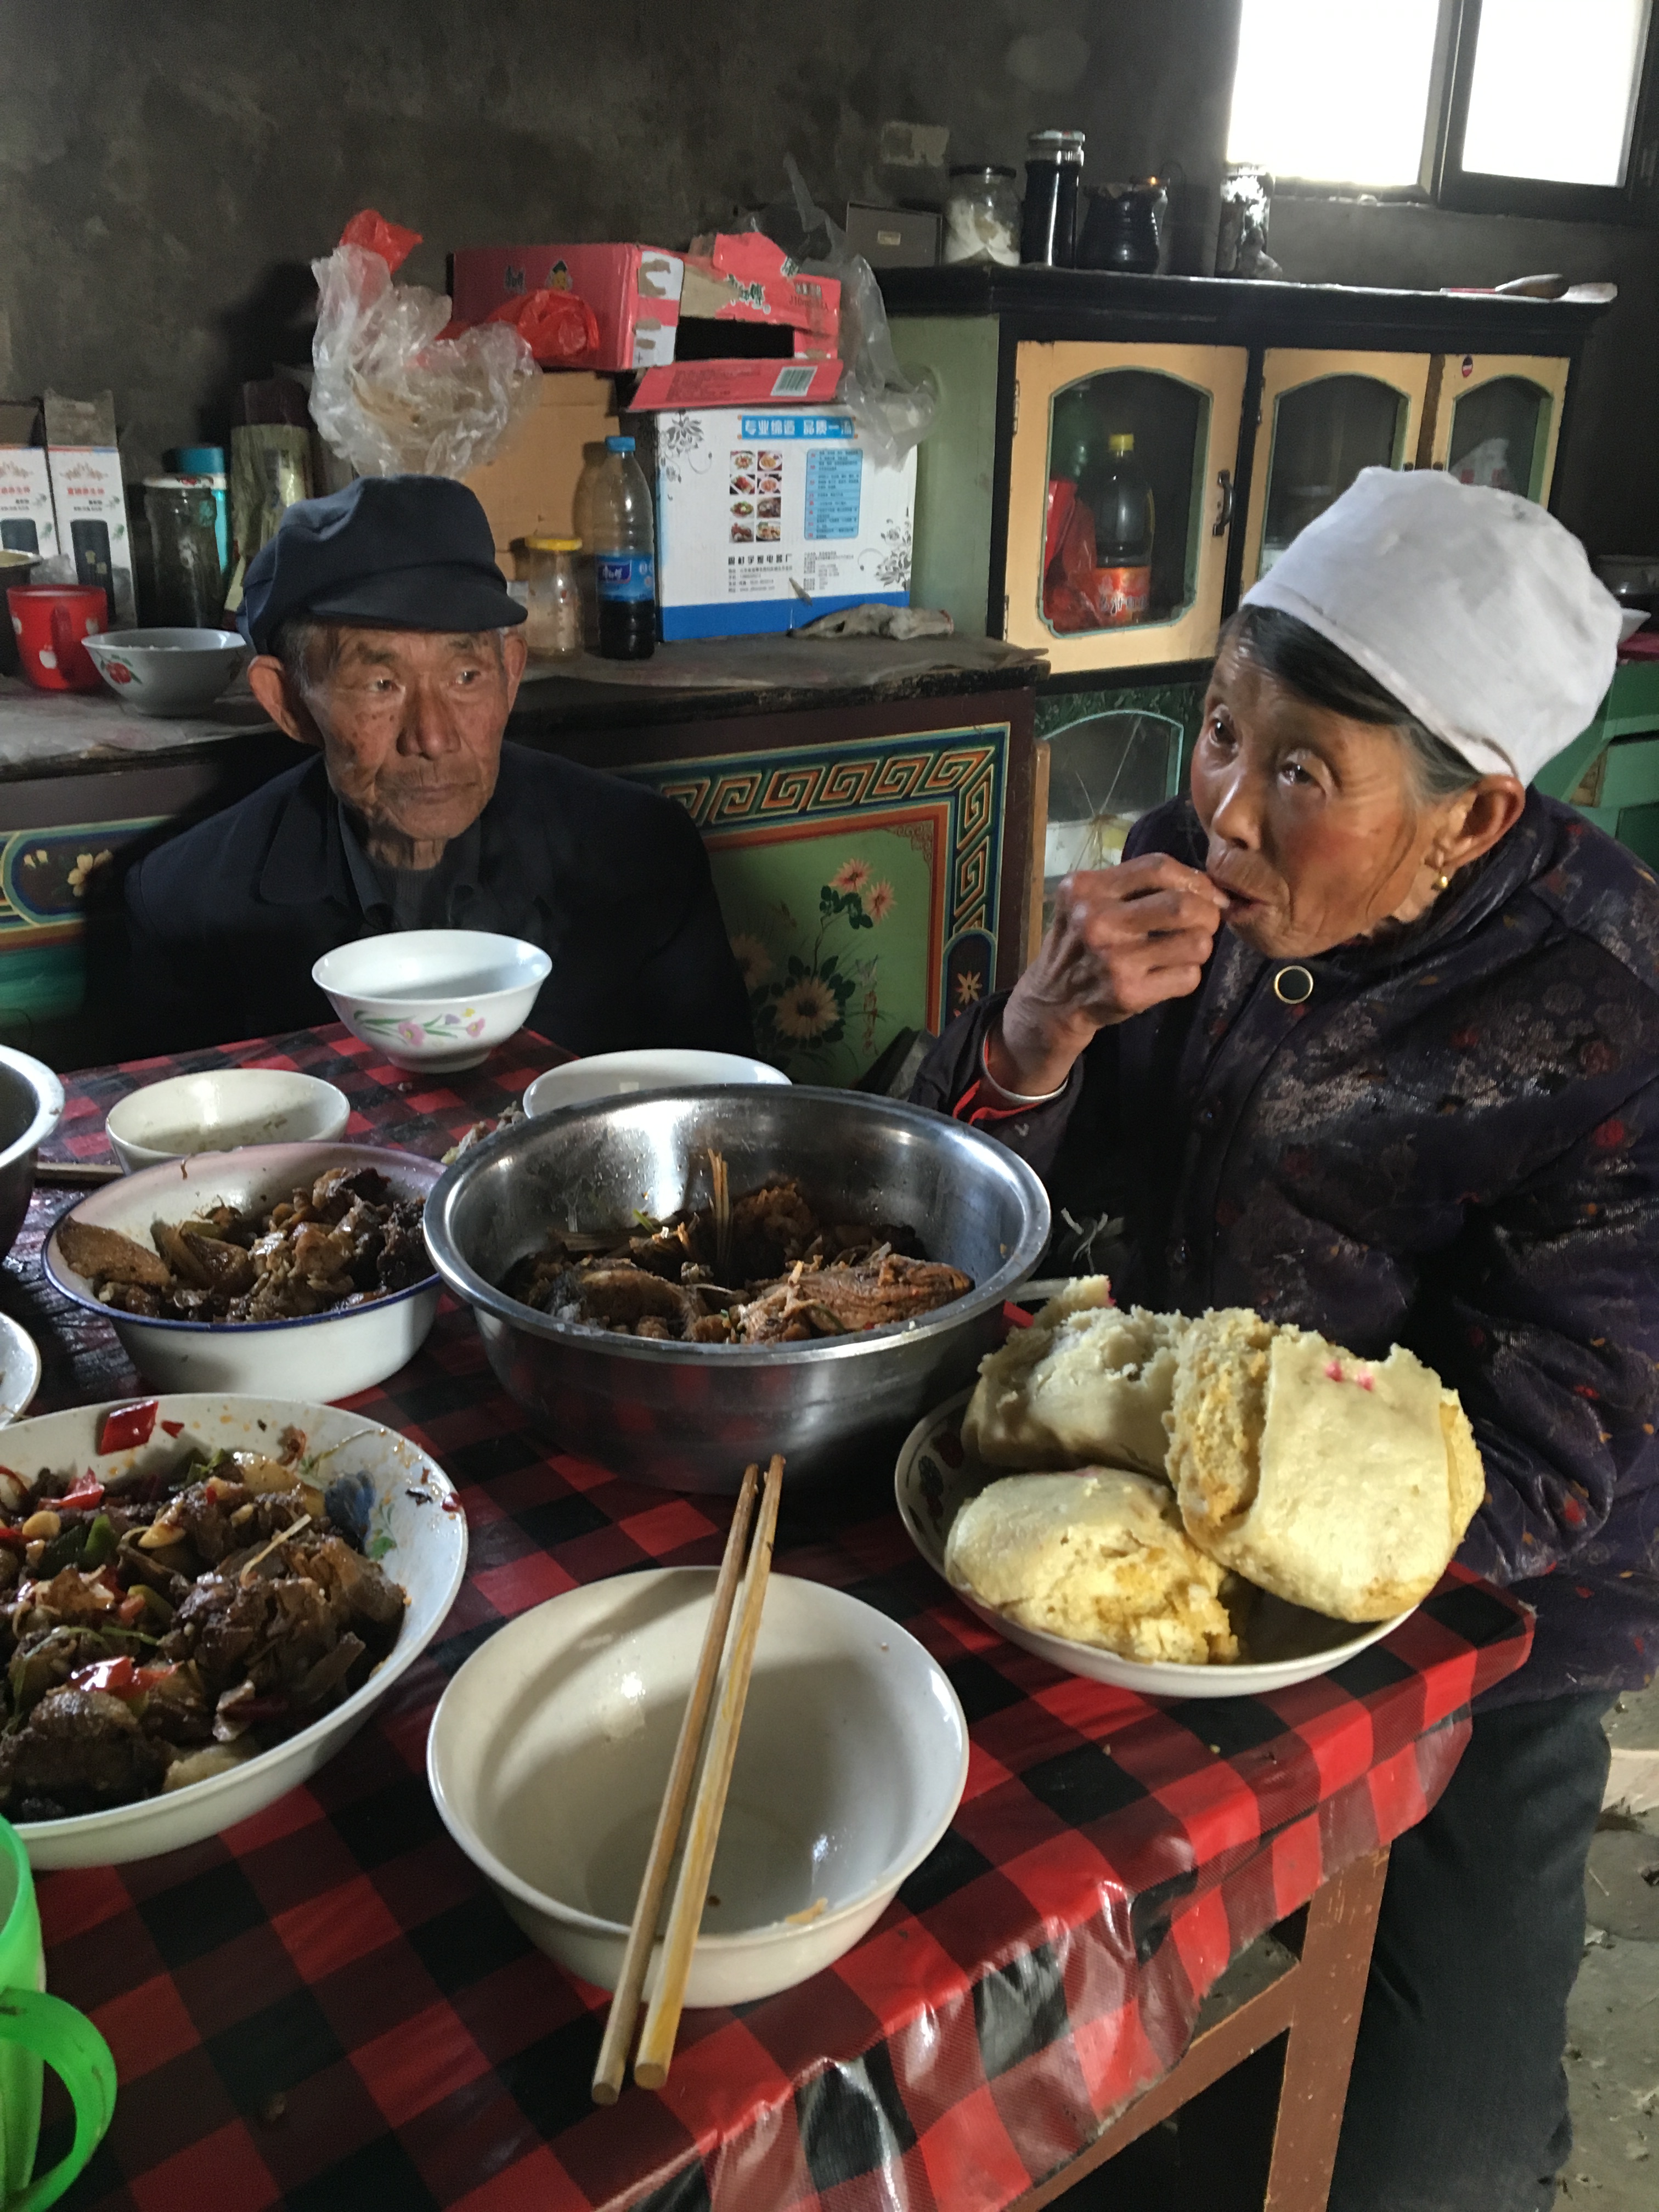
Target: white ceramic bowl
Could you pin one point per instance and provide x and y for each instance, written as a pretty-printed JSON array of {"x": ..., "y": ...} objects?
[
  {"x": 433, "y": 999},
  {"x": 616, "y": 1075},
  {"x": 20, "y": 1369},
  {"x": 936, "y": 1478},
  {"x": 1631, "y": 619},
  {"x": 167, "y": 672},
  {"x": 222, "y": 1110},
  {"x": 418, "y": 1533},
  {"x": 324, "y": 1356},
  {"x": 549, "y": 1750}
]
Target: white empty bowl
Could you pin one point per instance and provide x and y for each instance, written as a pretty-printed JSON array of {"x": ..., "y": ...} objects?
[
  {"x": 320, "y": 1356},
  {"x": 167, "y": 672},
  {"x": 550, "y": 1748},
  {"x": 222, "y": 1110},
  {"x": 614, "y": 1074},
  {"x": 433, "y": 999}
]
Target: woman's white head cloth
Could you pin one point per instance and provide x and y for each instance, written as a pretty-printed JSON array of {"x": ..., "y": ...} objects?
[{"x": 1476, "y": 609}]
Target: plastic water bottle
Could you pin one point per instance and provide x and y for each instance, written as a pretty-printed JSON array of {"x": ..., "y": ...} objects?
[{"x": 624, "y": 555}]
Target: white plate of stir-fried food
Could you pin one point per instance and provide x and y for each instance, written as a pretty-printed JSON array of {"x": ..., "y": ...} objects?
[
  {"x": 292, "y": 1270},
  {"x": 201, "y": 1598}
]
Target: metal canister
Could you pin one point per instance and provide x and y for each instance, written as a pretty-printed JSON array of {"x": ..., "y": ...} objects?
[{"x": 1053, "y": 178}]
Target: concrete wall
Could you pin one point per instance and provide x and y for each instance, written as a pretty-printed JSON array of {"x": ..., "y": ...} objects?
[{"x": 167, "y": 170}]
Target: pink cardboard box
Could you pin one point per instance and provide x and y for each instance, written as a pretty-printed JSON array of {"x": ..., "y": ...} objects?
[{"x": 633, "y": 291}]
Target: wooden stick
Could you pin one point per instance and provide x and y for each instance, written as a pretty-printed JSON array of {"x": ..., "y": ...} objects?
[
  {"x": 662, "y": 2021},
  {"x": 625, "y": 2003},
  {"x": 77, "y": 1171}
]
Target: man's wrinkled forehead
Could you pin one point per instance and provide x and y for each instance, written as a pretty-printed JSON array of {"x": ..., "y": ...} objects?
[{"x": 356, "y": 649}]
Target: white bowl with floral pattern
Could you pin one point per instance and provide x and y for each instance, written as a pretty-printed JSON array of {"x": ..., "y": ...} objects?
[{"x": 433, "y": 999}]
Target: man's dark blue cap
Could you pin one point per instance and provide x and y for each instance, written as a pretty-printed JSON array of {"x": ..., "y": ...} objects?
[{"x": 391, "y": 552}]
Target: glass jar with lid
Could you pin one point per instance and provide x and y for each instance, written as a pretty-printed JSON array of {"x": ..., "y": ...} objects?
[
  {"x": 547, "y": 567},
  {"x": 982, "y": 215},
  {"x": 1053, "y": 176}
]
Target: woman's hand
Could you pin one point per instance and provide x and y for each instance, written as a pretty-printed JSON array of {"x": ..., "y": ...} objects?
[{"x": 1122, "y": 939}]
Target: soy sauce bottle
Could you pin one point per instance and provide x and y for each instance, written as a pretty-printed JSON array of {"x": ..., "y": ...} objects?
[{"x": 1123, "y": 536}]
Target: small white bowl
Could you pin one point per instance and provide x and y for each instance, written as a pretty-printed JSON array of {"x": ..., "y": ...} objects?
[
  {"x": 418, "y": 1533},
  {"x": 167, "y": 672},
  {"x": 322, "y": 1355},
  {"x": 615, "y": 1074},
  {"x": 221, "y": 1110},
  {"x": 550, "y": 1748},
  {"x": 433, "y": 999}
]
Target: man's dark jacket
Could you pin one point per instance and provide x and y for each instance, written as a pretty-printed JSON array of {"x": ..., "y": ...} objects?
[
  {"x": 1452, "y": 1145},
  {"x": 225, "y": 920}
]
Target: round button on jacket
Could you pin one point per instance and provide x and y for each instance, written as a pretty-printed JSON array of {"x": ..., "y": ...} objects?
[{"x": 1293, "y": 987}]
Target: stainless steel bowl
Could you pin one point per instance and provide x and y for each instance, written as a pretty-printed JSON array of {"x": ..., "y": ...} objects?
[
  {"x": 31, "y": 1106},
  {"x": 690, "y": 1417}
]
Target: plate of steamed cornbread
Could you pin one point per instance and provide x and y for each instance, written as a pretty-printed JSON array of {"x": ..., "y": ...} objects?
[{"x": 1214, "y": 1506}]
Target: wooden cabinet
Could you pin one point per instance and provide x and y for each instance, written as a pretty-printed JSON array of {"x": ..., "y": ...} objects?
[
  {"x": 1321, "y": 417},
  {"x": 1252, "y": 407},
  {"x": 1496, "y": 418},
  {"x": 1179, "y": 405}
]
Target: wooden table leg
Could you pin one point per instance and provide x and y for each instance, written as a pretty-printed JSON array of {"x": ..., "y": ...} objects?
[
  {"x": 1315, "y": 2006},
  {"x": 1336, "y": 1955}
]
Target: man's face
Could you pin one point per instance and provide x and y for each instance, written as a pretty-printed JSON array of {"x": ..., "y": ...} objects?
[{"x": 409, "y": 724}]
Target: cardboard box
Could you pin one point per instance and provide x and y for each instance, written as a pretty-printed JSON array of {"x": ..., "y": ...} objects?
[
  {"x": 633, "y": 291},
  {"x": 530, "y": 490},
  {"x": 893, "y": 238},
  {"x": 737, "y": 384},
  {"x": 745, "y": 277},
  {"x": 90, "y": 497},
  {"x": 27, "y": 523},
  {"x": 767, "y": 520},
  {"x": 640, "y": 296}
]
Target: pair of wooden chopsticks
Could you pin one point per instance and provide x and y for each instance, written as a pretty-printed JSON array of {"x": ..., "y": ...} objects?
[{"x": 662, "y": 2018}]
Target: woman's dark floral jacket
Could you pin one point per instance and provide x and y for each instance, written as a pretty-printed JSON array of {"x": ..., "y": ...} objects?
[{"x": 1452, "y": 1145}]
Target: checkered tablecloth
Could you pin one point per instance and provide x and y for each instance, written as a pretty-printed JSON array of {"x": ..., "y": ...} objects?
[{"x": 326, "y": 2008}]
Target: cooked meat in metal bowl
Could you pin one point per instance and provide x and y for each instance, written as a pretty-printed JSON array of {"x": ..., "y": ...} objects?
[
  {"x": 763, "y": 1269},
  {"x": 345, "y": 1241},
  {"x": 163, "y": 1628}
]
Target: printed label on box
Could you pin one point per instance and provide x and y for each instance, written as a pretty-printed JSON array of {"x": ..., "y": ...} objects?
[
  {"x": 767, "y": 520},
  {"x": 27, "y": 521}
]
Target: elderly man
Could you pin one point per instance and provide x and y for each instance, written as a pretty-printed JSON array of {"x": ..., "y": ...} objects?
[{"x": 387, "y": 643}]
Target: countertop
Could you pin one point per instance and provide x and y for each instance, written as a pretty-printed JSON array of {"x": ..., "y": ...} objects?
[{"x": 65, "y": 733}]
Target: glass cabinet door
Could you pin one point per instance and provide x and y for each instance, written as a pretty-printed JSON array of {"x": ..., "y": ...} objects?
[
  {"x": 1105, "y": 771},
  {"x": 1498, "y": 421},
  {"x": 1324, "y": 417},
  {"x": 1120, "y": 497}
]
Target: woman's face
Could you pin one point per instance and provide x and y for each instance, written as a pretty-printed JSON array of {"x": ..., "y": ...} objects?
[{"x": 1316, "y": 831}]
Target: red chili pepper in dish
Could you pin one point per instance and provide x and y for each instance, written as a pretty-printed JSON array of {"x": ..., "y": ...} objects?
[
  {"x": 88, "y": 1493},
  {"x": 128, "y": 1427},
  {"x": 173, "y": 1428},
  {"x": 14, "y": 1537},
  {"x": 119, "y": 1677}
]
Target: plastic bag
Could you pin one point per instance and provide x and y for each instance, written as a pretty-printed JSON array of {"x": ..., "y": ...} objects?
[
  {"x": 893, "y": 414},
  {"x": 390, "y": 394},
  {"x": 560, "y": 328}
]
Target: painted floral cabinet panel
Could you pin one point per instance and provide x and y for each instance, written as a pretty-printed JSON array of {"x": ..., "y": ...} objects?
[{"x": 859, "y": 882}]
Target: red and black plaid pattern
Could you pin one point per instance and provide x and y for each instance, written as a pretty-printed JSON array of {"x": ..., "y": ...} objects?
[{"x": 325, "y": 2006}]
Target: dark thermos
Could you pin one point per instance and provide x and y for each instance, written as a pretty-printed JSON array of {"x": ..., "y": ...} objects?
[{"x": 1054, "y": 176}]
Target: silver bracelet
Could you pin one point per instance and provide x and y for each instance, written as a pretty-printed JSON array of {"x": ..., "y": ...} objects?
[{"x": 1020, "y": 1098}]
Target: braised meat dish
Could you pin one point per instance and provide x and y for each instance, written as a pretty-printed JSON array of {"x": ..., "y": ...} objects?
[
  {"x": 764, "y": 1269},
  {"x": 159, "y": 1628},
  {"x": 347, "y": 1239}
]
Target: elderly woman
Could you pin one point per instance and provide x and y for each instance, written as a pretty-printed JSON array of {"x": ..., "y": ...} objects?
[{"x": 1365, "y": 1035}]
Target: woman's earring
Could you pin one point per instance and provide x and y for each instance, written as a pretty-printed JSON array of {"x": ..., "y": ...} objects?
[{"x": 1443, "y": 882}]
